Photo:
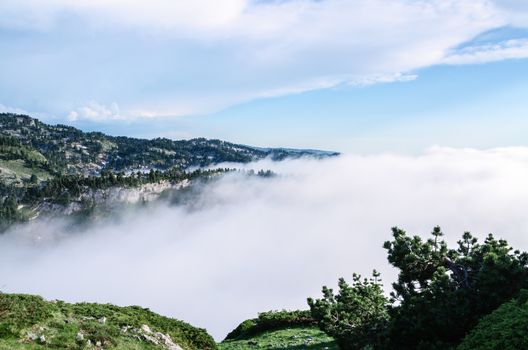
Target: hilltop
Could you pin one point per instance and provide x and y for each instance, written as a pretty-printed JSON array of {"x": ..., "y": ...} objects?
[
  {"x": 30, "y": 322},
  {"x": 279, "y": 330}
]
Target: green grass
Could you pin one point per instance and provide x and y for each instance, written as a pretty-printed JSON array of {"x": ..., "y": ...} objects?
[
  {"x": 302, "y": 338},
  {"x": 123, "y": 345},
  {"x": 13, "y": 170},
  {"x": 23, "y": 317}
]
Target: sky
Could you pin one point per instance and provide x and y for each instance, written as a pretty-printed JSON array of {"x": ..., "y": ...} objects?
[{"x": 347, "y": 75}]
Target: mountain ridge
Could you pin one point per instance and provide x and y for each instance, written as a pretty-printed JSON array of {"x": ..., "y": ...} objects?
[
  {"x": 69, "y": 150},
  {"x": 61, "y": 170}
]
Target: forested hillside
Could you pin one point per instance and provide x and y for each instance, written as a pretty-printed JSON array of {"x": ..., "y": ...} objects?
[
  {"x": 60, "y": 169},
  {"x": 60, "y": 149}
]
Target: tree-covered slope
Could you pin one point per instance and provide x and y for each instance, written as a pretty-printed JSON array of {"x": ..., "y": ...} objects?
[{"x": 61, "y": 149}]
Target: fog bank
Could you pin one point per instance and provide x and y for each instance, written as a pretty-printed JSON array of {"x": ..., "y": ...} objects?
[{"x": 253, "y": 244}]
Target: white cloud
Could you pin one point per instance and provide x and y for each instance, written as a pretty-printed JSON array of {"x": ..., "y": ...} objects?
[
  {"x": 509, "y": 49},
  {"x": 174, "y": 58},
  {"x": 96, "y": 112},
  {"x": 157, "y": 14},
  {"x": 250, "y": 245}
]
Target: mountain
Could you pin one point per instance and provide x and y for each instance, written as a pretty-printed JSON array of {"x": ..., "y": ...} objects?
[
  {"x": 60, "y": 170},
  {"x": 66, "y": 150}
]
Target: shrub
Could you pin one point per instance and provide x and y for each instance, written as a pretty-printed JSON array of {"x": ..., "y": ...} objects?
[
  {"x": 18, "y": 311},
  {"x": 356, "y": 316},
  {"x": 505, "y": 328}
]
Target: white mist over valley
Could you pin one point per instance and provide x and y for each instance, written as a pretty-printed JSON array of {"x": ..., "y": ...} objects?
[{"x": 243, "y": 244}]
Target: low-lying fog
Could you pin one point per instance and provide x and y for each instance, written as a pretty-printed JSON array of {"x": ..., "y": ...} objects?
[{"x": 256, "y": 244}]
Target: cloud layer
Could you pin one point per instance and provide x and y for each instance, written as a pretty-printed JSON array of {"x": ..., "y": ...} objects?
[
  {"x": 175, "y": 58},
  {"x": 249, "y": 245}
]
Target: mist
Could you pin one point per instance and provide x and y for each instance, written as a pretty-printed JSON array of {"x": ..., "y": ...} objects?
[{"x": 248, "y": 244}]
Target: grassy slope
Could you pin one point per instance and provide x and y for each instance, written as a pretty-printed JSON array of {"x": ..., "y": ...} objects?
[
  {"x": 299, "y": 338},
  {"x": 23, "y": 317},
  {"x": 16, "y": 170},
  {"x": 13, "y": 167}
]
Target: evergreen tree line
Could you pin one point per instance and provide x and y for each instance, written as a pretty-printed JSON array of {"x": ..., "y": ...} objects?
[
  {"x": 63, "y": 189},
  {"x": 75, "y": 185},
  {"x": 9, "y": 213}
]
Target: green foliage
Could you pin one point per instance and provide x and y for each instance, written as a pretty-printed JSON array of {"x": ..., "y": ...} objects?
[
  {"x": 271, "y": 320},
  {"x": 19, "y": 311},
  {"x": 11, "y": 148},
  {"x": 356, "y": 316},
  {"x": 9, "y": 212},
  {"x": 504, "y": 329},
  {"x": 136, "y": 316},
  {"x": 296, "y": 338},
  {"x": 60, "y": 323},
  {"x": 441, "y": 293}
]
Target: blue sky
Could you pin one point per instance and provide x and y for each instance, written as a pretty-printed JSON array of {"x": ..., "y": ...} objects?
[{"x": 349, "y": 75}]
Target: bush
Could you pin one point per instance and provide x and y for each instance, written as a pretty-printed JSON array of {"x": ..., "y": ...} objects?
[
  {"x": 505, "y": 328},
  {"x": 18, "y": 311},
  {"x": 357, "y": 316}
]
